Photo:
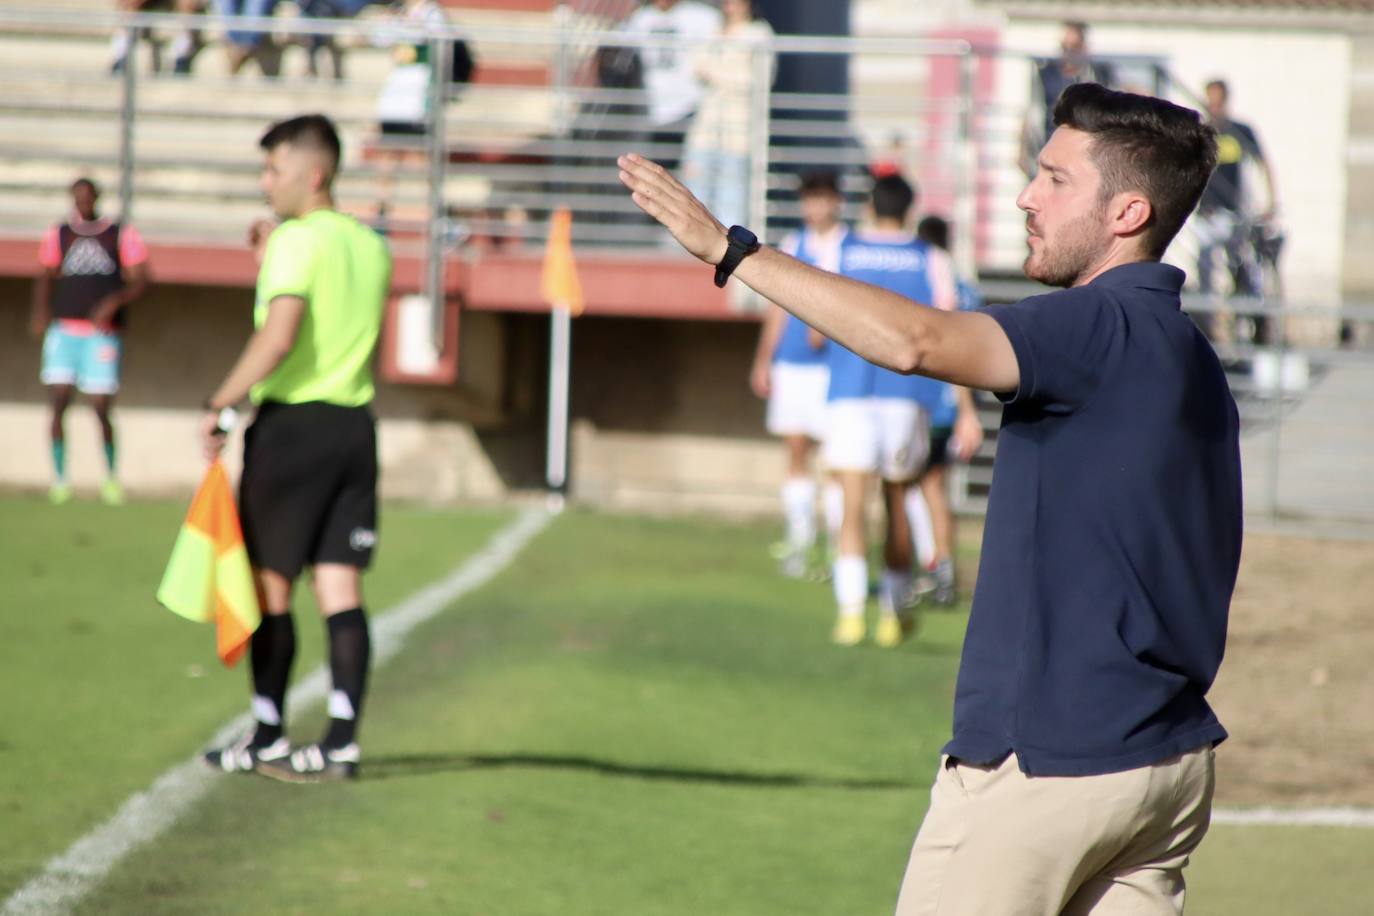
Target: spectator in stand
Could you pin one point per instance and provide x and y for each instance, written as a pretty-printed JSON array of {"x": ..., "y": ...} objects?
[
  {"x": 670, "y": 82},
  {"x": 890, "y": 160},
  {"x": 315, "y": 43},
  {"x": 1075, "y": 64},
  {"x": 716, "y": 166},
  {"x": 245, "y": 44},
  {"x": 403, "y": 106},
  {"x": 184, "y": 46},
  {"x": 1224, "y": 216},
  {"x": 92, "y": 269}
]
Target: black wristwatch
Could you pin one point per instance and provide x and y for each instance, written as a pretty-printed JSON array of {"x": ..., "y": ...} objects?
[{"x": 740, "y": 243}]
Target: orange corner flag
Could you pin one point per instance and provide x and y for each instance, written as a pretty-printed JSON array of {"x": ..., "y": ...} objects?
[
  {"x": 561, "y": 286},
  {"x": 208, "y": 578}
]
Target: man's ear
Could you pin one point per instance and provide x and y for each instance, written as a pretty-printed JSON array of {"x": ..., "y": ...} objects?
[{"x": 1129, "y": 212}]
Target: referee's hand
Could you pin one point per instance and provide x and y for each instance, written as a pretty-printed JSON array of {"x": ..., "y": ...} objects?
[{"x": 211, "y": 436}]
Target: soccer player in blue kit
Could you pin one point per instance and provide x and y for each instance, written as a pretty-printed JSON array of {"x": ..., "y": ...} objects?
[
  {"x": 879, "y": 422},
  {"x": 790, "y": 371}
]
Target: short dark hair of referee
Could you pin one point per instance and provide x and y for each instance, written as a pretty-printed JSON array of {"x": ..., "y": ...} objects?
[{"x": 308, "y": 496}]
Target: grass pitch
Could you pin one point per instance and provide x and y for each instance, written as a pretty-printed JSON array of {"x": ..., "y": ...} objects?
[{"x": 637, "y": 717}]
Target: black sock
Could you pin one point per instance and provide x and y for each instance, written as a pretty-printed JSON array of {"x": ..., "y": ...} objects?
[
  {"x": 350, "y": 649},
  {"x": 272, "y": 651}
]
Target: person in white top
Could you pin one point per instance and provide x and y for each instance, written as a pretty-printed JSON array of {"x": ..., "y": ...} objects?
[
  {"x": 717, "y": 163},
  {"x": 670, "y": 84}
]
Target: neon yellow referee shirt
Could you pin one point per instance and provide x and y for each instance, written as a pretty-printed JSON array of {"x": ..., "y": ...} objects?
[{"x": 342, "y": 269}]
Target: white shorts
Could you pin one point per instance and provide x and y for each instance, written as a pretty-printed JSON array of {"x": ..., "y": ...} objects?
[
  {"x": 888, "y": 435},
  {"x": 797, "y": 405}
]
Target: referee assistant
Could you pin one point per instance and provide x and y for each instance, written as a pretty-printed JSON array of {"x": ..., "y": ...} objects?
[{"x": 308, "y": 496}]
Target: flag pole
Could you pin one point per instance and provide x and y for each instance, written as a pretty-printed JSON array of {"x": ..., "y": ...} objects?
[
  {"x": 560, "y": 371},
  {"x": 563, "y": 292}
]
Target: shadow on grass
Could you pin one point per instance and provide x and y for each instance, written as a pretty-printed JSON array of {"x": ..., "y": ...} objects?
[{"x": 403, "y": 765}]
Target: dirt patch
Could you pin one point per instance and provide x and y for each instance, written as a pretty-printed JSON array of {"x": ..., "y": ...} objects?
[{"x": 1296, "y": 690}]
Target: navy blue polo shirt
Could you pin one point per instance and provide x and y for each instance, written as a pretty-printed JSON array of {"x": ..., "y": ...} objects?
[{"x": 1113, "y": 536}]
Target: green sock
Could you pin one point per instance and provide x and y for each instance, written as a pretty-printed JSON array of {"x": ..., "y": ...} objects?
[
  {"x": 59, "y": 459},
  {"x": 110, "y": 457}
]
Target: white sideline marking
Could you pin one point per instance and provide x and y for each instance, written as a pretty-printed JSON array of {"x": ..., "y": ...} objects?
[
  {"x": 1295, "y": 817},
  {"x": 71, "y": 875}
]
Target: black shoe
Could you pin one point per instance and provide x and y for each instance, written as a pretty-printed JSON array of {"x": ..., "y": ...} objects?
[
  {"x": 243, "y": 756},
  {"x": 314, "y": 763}
]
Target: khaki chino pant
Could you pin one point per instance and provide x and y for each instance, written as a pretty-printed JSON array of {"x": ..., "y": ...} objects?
[{"x": 996, "y": 842}]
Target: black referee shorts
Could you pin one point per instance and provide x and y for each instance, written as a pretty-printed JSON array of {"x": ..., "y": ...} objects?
[{"x": 309, "y": 489}]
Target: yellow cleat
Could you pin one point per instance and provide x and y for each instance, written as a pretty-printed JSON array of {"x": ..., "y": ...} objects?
[
  {"x": 889, "y": 634},
  {"x": 59, "y": 494},
  {"x": 111, "y": 493},
  {"x": 849, "y": 630}
]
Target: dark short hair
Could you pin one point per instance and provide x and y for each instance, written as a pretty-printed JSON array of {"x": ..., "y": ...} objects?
[
  {"x": 934, "y": 230},
  {"x": 818, "y": 183},
  {"x": 88, "y": 182},
  {"x": 1220, "y": 84},
  {"x": 312, "y": 131},
  {"x": 893, "y": 197},
  {"x": 1078, "y": 25},
  {"x": 1144, "y": 144}
]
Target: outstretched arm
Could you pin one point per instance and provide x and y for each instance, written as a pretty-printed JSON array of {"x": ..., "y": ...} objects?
[{"x": 965, "y": 348}]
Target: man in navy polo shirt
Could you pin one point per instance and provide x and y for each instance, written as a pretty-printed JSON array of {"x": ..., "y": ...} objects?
[{"x": 1080, "y": 775}]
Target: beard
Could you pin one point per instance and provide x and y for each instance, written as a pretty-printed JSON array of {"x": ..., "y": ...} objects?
[{"x": 1079, "y": 246}]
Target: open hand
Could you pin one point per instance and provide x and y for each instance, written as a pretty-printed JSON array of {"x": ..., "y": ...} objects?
[{"x": 663, "y": 197}]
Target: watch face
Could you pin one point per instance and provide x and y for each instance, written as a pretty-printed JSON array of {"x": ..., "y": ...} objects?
[{"x": 742, "y": 236}]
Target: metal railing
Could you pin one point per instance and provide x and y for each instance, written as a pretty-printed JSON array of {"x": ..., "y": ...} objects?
[{"x": 496, "y": 158}]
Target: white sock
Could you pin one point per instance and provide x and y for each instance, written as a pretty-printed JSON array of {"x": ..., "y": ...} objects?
[
  {"x": 851, "y": 584},
  {"x": 922, "y": 530},
  {"x": 892, "y": 590},
  {"x": 265, "y": 711},
  {"x": 119, "y": 44},
  {"x": 834, "y": 511},
  {"x": 799, "y": 508},
  {"x": 339, "y": 705}
]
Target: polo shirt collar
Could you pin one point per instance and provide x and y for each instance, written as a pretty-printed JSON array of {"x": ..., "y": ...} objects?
[{"x": 1143, "y": 275}]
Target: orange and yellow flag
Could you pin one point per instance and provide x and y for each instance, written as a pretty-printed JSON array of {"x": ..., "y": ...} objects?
[
  {"x": 208, "y": 578},
  {"x": 561, "y": 286}
]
